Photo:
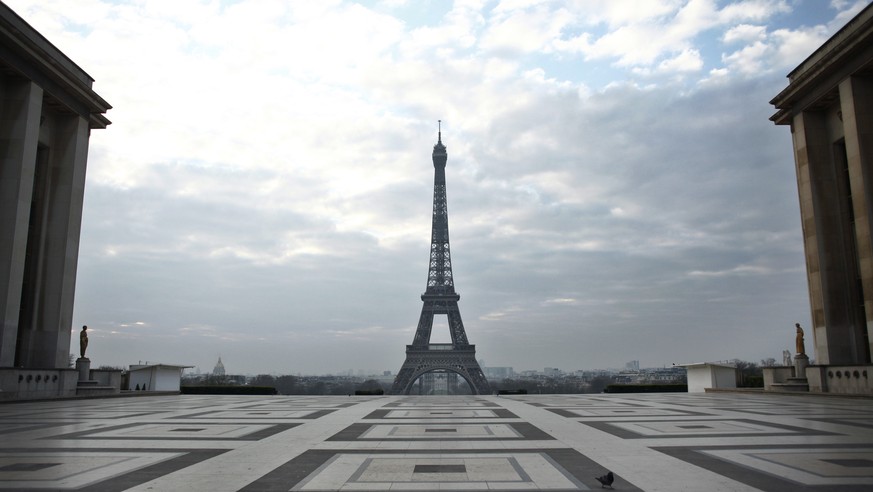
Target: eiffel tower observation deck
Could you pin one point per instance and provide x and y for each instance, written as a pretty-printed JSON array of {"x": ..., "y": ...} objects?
[{"x": 422, "y": 357}]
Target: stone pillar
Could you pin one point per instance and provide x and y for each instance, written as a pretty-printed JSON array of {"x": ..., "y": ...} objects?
[
  {"x": 48, "y": 339},
  {"x": 20, "y": 108},
  {"x": 856, "y": 109},
  {"x": 828, "y": 236}
]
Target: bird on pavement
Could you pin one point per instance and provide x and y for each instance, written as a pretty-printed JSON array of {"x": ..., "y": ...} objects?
[{"x": 606, "y": 480}]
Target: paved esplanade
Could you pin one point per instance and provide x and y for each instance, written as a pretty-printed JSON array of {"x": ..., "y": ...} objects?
[{"x": 659, "y": 442}]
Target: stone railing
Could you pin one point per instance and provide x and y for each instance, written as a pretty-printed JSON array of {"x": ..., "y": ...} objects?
[
  {"x": 33, "y": 384},
  {"x": 776, "y": 375},
  {"x": 848, "y": 380},
  {"x": 845, "y": 380}
]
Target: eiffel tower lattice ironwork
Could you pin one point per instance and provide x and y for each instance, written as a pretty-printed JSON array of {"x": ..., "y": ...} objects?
[{"x": 440, "y": 298}]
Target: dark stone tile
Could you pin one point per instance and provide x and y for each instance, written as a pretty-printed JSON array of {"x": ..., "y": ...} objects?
[
  {"x": 439, "y": 469},
  {"x": 749, "y": 476},
  {"x": 27, "y": 467},
  {"x": 627, "y": 434},
  {"x": 851, "y": 463},
  {"x": 527, "y": 430},
  {"x": 254, "y": 436}
]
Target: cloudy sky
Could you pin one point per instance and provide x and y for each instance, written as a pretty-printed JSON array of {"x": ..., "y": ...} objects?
[{"x": 616, "y": 190}]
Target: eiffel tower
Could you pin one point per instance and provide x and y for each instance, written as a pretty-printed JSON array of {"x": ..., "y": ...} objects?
[{"x": 423, "y": 357}]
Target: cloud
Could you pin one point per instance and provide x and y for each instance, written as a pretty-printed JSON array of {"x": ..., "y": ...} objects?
[
  {"x": 739, "y": 270},
  {"x": 774, "y": 52},
  {"x": 752, "y": 10},
  {"x": 664, "y": 31},
  {"x": 523, "y": 30},
  {"x": 687, "y": 61},
  {"x": 745, "y": 33},
  {"x": 846, "y": 10}
]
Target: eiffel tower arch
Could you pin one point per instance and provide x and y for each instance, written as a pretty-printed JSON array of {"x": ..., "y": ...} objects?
[{"x": 440, "y": 298}]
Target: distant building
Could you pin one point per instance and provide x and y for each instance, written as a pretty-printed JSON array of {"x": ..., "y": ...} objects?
[
  {"x": 633, "y": 365},
  {"x": 498, "y": 373},
  {"x": 47, "y": 112},
  {"x": 155, "y": 377},
  {"x": 219, "y": 368},
  {"x": 827, "y": 104},
  {"x": 235, "y": 378},
  {"x": 552, "y": 372},
  {"x": 705, "y": 375}
]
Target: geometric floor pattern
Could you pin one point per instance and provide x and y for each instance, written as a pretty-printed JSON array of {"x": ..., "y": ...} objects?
[{"x": 658, "y": 442}]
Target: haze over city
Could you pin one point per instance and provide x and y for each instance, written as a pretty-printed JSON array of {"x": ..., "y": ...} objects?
[{"x": 615, "y": 189}]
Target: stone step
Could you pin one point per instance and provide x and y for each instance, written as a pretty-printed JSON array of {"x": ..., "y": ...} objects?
[
  {"x": 798, "y": 385},
  {"x": 94, "y": 389}
]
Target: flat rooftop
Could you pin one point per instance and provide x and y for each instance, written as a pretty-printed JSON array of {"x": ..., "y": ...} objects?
[{"x": 655, "y": 442}]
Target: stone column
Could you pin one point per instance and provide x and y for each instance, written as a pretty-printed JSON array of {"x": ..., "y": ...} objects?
[
  {"x": 827, "y": 235},
  {"x": 49, "y": 338},
  {"x": 20, "y": 107},
  {"x": 856, "y": 107}
]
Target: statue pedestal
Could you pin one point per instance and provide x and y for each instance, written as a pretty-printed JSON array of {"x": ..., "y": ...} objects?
[
  {"x": 801, "y": 361},
  {"x": 83, "y": 365},
  {"x": 798, "y": 383},
  {"x": 90, "y": 387}
]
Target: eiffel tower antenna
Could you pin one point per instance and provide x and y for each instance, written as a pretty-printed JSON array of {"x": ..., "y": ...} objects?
[{"x": 423, "y": 357}]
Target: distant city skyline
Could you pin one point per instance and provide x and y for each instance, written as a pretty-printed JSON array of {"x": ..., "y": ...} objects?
[
  {"x": 616, "y": 190},
  {"x": 359, "y": 372}
]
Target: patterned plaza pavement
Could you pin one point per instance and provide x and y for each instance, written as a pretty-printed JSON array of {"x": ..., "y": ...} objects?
[{"x": 657, "y": 442}]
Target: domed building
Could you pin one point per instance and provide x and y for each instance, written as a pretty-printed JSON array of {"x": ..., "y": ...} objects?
[{"x": 219, "y": 368}]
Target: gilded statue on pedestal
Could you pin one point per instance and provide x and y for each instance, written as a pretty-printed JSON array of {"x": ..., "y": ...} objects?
[
  {"x": 83, "y": 341},
  {"x": 801, "y": 350}
]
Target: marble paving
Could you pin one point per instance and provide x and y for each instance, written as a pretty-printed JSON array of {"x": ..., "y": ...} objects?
[{"x": 657, "y": 442}]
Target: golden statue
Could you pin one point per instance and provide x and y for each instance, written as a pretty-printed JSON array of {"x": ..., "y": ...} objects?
[
  {"x": 799, "y": 340},
  {"x": 83, "y": 341}
]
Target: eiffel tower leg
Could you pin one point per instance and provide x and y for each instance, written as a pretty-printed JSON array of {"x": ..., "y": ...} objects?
[
  {"x": 403, "y": 380},
  {"x": 456, "y": 326},
  {"x": 425, "y": 325},
  {"x": 421, "y": 360},
  {"x": 478, "y": 381}
]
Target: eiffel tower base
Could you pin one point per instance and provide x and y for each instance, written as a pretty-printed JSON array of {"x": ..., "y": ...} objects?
[{"x": 436, "y": 357}]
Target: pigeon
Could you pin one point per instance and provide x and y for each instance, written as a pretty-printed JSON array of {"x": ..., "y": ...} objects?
[{"x": 606, "y": 480}]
